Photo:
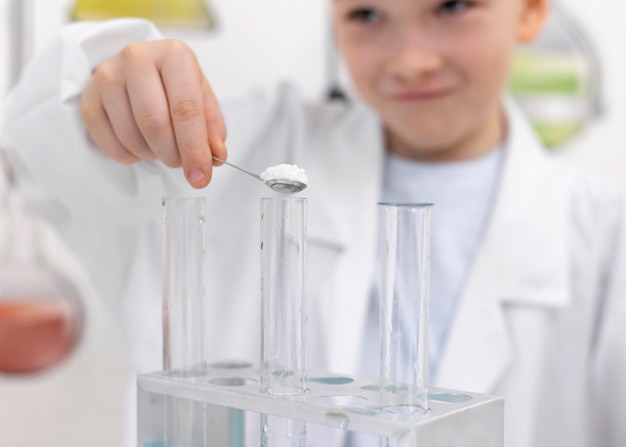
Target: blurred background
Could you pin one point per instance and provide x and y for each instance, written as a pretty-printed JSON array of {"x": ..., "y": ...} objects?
[{"x": 570, "y": 81}]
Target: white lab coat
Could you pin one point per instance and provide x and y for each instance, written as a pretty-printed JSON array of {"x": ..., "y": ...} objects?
[{"x": 542, "y": 320}]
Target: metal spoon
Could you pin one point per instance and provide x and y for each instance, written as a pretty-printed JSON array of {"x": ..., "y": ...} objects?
[{"x": 277, "y": 184}]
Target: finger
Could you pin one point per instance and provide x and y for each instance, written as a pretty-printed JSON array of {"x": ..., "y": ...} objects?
[
  {"x": 151, "y": 113},
  {"x": 183, "y": 86},
  {"x": 100, "y": 129},
  {"x": 118, "y": 108},
  {"x": 218, "y": 148},
  {"x": 216, "y": 128}
]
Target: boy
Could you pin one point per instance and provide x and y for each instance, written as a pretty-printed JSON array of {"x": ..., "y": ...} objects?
[{"x": 528, "y": 256}]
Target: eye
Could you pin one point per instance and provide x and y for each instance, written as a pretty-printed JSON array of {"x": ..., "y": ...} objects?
[
  {"x": 453, "y": 7},
  {"x": 364, "y": 15}
]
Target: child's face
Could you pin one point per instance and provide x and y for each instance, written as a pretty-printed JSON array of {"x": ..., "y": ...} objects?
[{"x": 435, "y": 70}]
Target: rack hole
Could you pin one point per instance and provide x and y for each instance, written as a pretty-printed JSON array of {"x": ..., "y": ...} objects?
[{"x": 332, "y": 380}]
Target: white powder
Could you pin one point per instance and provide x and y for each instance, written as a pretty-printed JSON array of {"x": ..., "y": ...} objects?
[{"x": 285, "y": 172}]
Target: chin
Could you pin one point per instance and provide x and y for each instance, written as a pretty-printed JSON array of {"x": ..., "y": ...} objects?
[{"x": 425, "y": 145}]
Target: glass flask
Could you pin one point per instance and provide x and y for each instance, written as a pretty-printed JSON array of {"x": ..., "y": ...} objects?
[
  {"x": 404, "y": 291},
  {"x": 166, "y": 13},
  {"x": 41, "y": 315}
]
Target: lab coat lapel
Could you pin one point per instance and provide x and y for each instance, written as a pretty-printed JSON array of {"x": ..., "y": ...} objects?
[
  {"x": 342, "y": 220},
  {"x": 522, "y": 261}
]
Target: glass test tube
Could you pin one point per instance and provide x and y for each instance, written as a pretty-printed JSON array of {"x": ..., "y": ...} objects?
[
  {"x": 283, "y": 254},
  {"x": 282, "y": 432},
  {"x": 184, "y": 270},
  {"x": 404, "y": 291}
]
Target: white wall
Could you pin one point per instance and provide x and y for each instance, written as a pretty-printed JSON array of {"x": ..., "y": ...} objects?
[
  {"x": 260, "y": 42},
  {"x": 255, "y": 45}
]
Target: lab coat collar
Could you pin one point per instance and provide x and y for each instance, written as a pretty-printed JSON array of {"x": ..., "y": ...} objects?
[{"x": 522, "y": 261}]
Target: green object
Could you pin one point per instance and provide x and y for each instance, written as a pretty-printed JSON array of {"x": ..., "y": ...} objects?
[
  {"x": 546, "y": 76},
  {"x": 553, "y": 134},
  {"x": 167, "y": 13},
  {"x": 538, "y": 72}
]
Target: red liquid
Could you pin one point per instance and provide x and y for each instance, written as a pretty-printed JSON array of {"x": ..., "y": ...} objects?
[{"x": 35, "y": 333}]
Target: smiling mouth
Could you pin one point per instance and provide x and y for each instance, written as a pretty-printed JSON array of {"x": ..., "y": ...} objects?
[{"x": 429, "y": 95}]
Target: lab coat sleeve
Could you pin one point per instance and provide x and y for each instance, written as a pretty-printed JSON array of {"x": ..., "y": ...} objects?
[
  {"x": 609, "y": 409},
  {"x": 60, "y": 171}
]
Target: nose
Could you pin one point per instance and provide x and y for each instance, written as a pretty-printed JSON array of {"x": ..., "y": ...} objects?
[{"x": 415, "y": 56}]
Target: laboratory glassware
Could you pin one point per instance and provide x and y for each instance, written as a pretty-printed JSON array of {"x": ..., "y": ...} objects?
[
  {"x": 283, "y": 255},
  {"x": 41, "y": 315},
  {"x": 337, "y": 401},
  {"x": 184, "y": 283},
  {"x": 404, "y": 291},
  {"x": 283, "y": 313}
]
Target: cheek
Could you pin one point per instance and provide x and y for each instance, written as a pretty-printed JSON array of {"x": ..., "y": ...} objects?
[
  {"x": 362, "y": 67},
  {"x": 486, "y": 63},
  {"x": 358, "y": 66},
  {"x": 362, "y": 54}
]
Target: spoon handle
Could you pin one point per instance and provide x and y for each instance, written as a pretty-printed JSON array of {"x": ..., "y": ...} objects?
[{"x": 237, "y": 167}]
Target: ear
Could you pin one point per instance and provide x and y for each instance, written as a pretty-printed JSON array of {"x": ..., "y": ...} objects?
[{"x": 533, "y": 14}]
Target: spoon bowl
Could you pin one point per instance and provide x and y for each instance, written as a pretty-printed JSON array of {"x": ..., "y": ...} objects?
[
  {"x": 285, "y": 186},
  {"x": 282, "y": 185}
]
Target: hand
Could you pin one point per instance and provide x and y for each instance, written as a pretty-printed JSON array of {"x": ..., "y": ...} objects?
[{"x": 152, "y": 102}]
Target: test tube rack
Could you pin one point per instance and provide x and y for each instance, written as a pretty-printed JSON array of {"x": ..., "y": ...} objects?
[
  {"x": 459, "y": 419},
  {"x": 190, "y": 405}
]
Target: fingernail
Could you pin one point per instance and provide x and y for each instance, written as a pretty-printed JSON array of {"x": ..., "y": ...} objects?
[{"x": 195, "y": 175}]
